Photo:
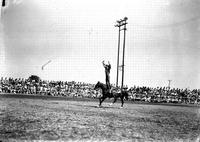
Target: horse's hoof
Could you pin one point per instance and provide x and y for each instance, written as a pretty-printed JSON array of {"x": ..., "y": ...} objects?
[{"x": 121, "y": 107}]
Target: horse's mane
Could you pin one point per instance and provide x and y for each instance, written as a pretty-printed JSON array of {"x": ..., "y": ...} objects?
[
  {"x": 101, "y": 85},
  {"x": 99, "y": 82}
]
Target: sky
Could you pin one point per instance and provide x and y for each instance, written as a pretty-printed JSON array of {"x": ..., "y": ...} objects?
[{"x": 162, "y": 40}]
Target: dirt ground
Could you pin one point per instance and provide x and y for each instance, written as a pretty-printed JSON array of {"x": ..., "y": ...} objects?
[{"x": 75, "y": 120}]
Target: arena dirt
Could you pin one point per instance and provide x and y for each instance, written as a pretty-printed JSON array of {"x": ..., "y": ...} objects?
[{"x": 64, "y": 120}]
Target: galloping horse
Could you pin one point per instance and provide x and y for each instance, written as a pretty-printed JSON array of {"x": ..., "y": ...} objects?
[{"x": 107, "y": 94}]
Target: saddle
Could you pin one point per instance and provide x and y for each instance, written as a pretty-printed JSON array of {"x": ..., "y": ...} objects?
[
  {"x": 110, "y": 90},
  {"x": 113, "y": 93}
]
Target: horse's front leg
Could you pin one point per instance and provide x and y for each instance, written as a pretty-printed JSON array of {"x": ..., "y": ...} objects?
[
  {"x": 101, "y": 100},
  {"x": 122, "y": 100}
]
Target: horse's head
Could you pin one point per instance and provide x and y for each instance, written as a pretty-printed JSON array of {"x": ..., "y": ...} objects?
[{"x": 98, "y": 85}]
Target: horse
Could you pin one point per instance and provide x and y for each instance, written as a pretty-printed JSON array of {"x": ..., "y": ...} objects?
[{"x": 106, "y": 94}]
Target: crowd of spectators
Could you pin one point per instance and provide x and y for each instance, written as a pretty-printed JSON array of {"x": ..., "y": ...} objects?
[
  {"x": 45, "y": 87},
  {"x": 80, "y": 89},
  {"x": 165, "y": 94}
]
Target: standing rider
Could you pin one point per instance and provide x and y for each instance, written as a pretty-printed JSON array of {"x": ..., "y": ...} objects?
[{"x": 107, "y": 72}]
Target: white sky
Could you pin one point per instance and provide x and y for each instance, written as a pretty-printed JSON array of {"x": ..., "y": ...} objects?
[{"x": 162, "y": 40}]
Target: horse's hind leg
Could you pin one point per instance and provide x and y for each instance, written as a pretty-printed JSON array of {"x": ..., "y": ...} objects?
[
  {"x": 122, "y": 100},
  {"x": 115, "y": 99}
]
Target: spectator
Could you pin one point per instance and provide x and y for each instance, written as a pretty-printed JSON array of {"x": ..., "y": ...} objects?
[{"x": 80, "y": 89}]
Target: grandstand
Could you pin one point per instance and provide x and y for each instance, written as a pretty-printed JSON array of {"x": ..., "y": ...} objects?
[{"x": 85, "y": 90}]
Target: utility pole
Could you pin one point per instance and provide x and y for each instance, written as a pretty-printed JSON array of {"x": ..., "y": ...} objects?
[
  {"x": 169, "y": 83},
  {"x": 120, "y": 23},
  {"x": 118, "y": 53},
  {"x": 123, "y": 52}
]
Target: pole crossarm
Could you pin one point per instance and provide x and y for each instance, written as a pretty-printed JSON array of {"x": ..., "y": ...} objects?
[{"x": 121, "y": 22}]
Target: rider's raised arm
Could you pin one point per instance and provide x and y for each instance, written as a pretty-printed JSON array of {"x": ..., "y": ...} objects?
[{"x": 103, "y": 63}]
